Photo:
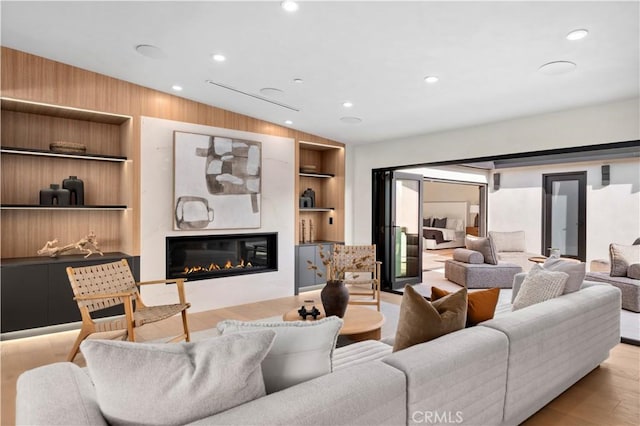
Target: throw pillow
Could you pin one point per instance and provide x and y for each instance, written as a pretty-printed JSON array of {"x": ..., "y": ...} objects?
[
  {"x": 421, "y": 321},
  {"x": 426, "y": 222},
  {"x": 621, "y": 257},
  {"x": 301, "y": 351},
  {"x": 481, "y": 304},
  {"x": 634, "y": 271},
  {"x": 485, "y": 246},
  {"x": 508, "y": 241},
  {"x": 439, "y": 223},
  {"x": 539, "y": 285},
  {"x": 575, "y": 270},
  {"x": 143, "y": 383},
  {"x": 468, "y": 256}
]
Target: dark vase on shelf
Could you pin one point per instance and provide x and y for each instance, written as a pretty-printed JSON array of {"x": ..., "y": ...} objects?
[
  {"x": 76, "y": 190},
  {"x": 311, "y": 195},
  {"x": 54, "y": 196},
  {"x": 334, "y": 296}
]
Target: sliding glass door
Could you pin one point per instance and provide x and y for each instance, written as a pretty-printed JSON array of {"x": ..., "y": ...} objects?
[{"x": 397, "y": 227}]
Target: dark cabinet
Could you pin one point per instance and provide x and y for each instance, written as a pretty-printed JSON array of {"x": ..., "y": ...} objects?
[
  {"x": 36, "y": 292},
  {"x": 306, "y": 253}
]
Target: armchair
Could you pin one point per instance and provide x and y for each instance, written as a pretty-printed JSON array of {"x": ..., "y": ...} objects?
[{"x": 101, "y": 286}]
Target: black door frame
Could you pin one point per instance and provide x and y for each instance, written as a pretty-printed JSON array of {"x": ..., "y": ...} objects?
[{"x": 547, "y": 180}]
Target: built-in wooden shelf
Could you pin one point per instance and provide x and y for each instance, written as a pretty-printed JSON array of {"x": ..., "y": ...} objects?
[
  {"x": 43, "y": 153},
  {"x": 317, "y": 175},
  {"x": 19, "y": 105},
  {"x": 38, "y": 207}
]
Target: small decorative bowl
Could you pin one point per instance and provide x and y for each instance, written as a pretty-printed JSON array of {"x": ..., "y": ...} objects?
[{"x": 68, "y": 147}]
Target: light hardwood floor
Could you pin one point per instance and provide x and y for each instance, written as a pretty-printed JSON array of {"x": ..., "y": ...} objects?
[{"x": 609, "y": 395}]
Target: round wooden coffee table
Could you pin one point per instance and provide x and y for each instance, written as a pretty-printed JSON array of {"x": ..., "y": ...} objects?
[{"x": 359, "y": 323}]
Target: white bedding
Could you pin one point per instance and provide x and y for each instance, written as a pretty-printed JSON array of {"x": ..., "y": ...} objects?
[{"x": 447, "y": 234}]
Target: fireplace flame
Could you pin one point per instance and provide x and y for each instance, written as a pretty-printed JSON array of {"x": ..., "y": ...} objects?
[{"x": 215, "y": 267}]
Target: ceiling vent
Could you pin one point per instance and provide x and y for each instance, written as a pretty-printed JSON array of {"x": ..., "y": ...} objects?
[{"x": 262, "y": 98}]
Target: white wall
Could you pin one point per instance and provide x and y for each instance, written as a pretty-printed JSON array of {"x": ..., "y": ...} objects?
[
  {"x": 606, "y": 123},
  {"x": 278, "y": 215},
  {"x": 613, "y": 211}
]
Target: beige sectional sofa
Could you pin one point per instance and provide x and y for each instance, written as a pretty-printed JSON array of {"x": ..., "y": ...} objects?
[{"x": 497, "y": 373}]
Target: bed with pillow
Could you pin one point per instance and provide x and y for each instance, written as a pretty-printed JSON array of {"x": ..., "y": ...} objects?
[{"x": 440, "y": 233}]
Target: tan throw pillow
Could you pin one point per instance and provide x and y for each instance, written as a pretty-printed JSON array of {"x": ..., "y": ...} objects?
[
  {"x": 621, "y": 257},
  {"x": 575, "y": 270},
  {"x": 481, "y": 304},
  {"x": 421, "y": 321},
  {"x": 485, "y": 246},
  {"x": 539, "y": 285}
]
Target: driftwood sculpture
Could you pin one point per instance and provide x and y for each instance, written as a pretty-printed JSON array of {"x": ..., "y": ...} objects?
[{"x": 88, "y": 244}]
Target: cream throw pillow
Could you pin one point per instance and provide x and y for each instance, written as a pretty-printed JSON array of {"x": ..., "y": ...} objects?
[
  {"x": 622, "y": 257},
  {"x": 301, "y": 351},
  {"x": 178, "y": 383},
  {"x": 539, "y": 285}
]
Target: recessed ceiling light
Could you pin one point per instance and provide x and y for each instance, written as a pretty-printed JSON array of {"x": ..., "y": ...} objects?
[
  {"x": 298, "y": 80},
  {"x": 557, "y": 67},
  {"x": 431, "y": 79},
  {"x": 218, "y": 57},
  {"x": 288, "y": 122},
  {"x": 577, "y": 34},
  {"x": 176, "y": 88},
  {"x": 351, "y": 120},
  {"x": 289, "y": 5},
  {"x": 347, "y": 104},
  {"x": 150, "y": 51}
]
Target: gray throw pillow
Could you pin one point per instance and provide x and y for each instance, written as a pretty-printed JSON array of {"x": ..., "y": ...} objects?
[
  {"x": 177, "y": 383},
  {"x": 301, "y": 351},
  {"x": 539, "y": 285},
  {"x": 468, "y": 256},
  {"x": 439, "y": 223},
  {"x": 634, "y": 271},
  {"x": 621, "y": 257},
  {"x": 485, "y": 246},
  {"x": 575, "y": 270}
]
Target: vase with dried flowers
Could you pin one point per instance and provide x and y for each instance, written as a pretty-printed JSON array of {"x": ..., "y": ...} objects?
[{"x": 335, "y": 295}]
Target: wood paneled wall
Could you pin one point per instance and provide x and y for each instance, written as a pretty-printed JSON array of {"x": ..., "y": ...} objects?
[{"x": 35, "y": 78}]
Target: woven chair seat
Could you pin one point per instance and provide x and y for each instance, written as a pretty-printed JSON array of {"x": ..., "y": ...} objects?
[{"x": 143, "y": 316}]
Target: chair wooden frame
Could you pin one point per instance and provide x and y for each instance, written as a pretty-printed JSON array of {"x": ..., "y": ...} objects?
[
  {"x": 109, "y": 284},
  {"x": 353, "y": 259}
]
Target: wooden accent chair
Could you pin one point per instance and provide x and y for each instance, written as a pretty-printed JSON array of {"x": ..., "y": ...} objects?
[
  {"x": 362, "y": 273},
  {"x": 101, "y": 286}
]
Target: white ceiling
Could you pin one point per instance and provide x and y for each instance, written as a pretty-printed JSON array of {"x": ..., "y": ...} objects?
[{"x": 375, "y": 54}]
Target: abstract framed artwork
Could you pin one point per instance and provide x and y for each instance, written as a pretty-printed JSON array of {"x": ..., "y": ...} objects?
[{"x": 217, "y": 182}]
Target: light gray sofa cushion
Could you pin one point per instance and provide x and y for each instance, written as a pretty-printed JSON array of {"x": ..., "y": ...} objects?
[
  {"x": 161, "y": 384},
  {"x": 575, "y": 270},
  {"x": 508, "y": 241},
  {"x": 74, "y": 402},
  {"x": 301, "y": 351},
  {"x": 621, "y": 257},
  {"x": 468, "y": 256},
  {"x": 462, "y": 373},
  {"x": 554, "y": 344},
  {"x": 372, "y": 393},
  {"x": 480, "y": 276},
  {"x": 484, "y": 246},
  {"x": 539, "y": 285}
]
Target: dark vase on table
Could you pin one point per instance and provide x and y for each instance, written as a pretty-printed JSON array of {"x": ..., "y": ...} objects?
[{"x": 335, "y": 297}]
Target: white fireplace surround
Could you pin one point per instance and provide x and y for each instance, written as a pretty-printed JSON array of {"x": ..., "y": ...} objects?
[{"x": 278, "y": 202}]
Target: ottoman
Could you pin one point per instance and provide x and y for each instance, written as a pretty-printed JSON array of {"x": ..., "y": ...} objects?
[
  {"x": 483, "y": 275},
  {"x": 629, "y": 287}
]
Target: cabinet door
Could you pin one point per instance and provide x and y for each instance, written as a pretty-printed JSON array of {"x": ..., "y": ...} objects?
[
  {"x": 24, "y": 297},
  {"x": 305, "y": 277}
]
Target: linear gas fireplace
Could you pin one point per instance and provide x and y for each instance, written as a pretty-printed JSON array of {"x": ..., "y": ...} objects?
[{"x": 214, "y": 256}]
